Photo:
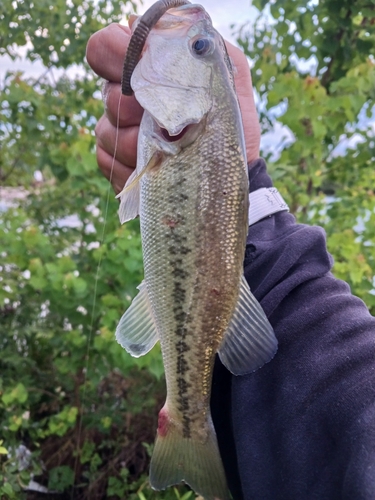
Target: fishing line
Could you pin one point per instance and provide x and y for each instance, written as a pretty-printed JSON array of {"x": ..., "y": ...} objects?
[{"x": 101, "y": 242}]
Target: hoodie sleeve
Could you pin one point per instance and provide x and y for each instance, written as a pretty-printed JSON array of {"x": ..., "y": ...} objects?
[{"x": 303, "y": 426}]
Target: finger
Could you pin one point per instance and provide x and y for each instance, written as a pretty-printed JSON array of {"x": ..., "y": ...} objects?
[
  {"x": 246, "y": 100},
  {"x": 132, "y": 19},
  {"x": 114, "y": 171},
  {"x": 106, "y": 50},
  {"x": 128, "y": 109},
  {"x": 244, "y": 86},
  {"x": 124, "y": 141}
]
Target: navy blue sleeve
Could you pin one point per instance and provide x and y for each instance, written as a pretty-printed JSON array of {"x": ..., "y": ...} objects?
[{"x": 303, "y": 426}]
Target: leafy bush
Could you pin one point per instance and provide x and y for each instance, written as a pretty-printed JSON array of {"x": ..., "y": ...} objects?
[{"x": 314, "y": 72}]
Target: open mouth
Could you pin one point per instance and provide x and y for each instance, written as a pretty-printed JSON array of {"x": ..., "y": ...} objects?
[
  {"x": 184, "y": 138},
  {"x": 173, "y": 138}
]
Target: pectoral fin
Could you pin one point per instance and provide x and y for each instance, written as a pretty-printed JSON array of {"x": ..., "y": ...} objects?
[
  {"x": 129, "y": 205},
  {"x": 136, "y": 331},
  {"x": 249, "y": 341}
]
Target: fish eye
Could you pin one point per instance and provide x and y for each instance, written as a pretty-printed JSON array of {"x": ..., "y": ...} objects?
[{"x": 201, "y": 46}]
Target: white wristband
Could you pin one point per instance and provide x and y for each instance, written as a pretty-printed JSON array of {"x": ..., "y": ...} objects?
[{"x": 265, "y": 202}]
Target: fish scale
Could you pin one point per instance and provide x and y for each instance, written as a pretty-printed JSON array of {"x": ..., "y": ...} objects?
[
  {"x": 192, "y": 266},
  {"x": 190, "y": 189}
]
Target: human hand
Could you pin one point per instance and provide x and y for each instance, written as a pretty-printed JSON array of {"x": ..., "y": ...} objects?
[{"x": 105, "y": 53}]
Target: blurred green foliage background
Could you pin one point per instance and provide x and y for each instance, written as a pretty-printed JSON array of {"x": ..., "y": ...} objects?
[{"x": 77, "y": 414}]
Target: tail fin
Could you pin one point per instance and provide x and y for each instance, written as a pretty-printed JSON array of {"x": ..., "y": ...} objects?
[{"x": 198, "y": 464}]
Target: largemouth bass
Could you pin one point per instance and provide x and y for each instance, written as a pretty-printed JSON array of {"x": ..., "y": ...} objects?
[{"x": 190, "y": 189}]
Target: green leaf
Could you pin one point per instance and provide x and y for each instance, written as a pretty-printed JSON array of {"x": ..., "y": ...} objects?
[
  {"x": 60, "y": 478},
  {"x": 3, "y": 451},
  {"x": 60, "y": 423},
  {"x": 17, "y": 394},
  {"x": 7, "y": 489}
]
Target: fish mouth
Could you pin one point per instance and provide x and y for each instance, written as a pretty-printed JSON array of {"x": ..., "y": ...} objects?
[
  {"x": 176, "y": 137},
  {"x": 181, "y": 138}
]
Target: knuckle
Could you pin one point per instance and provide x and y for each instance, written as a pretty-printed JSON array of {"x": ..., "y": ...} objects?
[{"x": 99, "y": 127}]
